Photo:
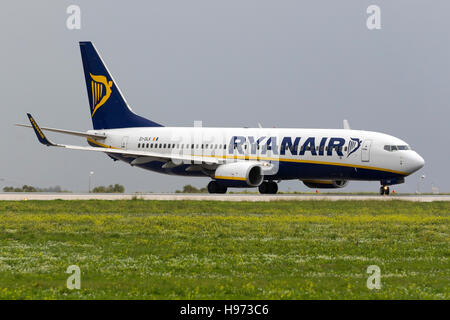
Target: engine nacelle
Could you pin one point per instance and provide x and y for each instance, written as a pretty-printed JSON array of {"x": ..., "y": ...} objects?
[
  {"x": 239, "y": 174},
  {"x": 325, "y": 184}
]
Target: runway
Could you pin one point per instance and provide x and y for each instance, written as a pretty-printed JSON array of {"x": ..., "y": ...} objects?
[{"x": 217, "y": 197}]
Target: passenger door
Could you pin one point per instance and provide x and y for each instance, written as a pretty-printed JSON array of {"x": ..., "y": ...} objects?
[{"x": 365, "y": 151}]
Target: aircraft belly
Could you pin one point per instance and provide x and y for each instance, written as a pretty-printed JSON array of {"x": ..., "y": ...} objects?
[{"x": 303, "y": 170}]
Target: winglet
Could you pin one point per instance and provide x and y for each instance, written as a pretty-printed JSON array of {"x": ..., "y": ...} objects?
[{"x": 40, "y": 135}]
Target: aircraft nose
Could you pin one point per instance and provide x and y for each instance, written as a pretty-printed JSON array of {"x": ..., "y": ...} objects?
[{"x": 416, "y": 162}]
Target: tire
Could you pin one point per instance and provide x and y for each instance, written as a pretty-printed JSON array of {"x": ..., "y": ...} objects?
[
  {"x": 213, "y": 187},
  {"x": 222, "y": 189},
  {"x": 384, "y": 190},
  {"x": 273, "y": 187},
  {"x": 264, "y": 187}
]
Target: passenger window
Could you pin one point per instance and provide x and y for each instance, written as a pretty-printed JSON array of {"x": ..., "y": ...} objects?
[
  {"x": 139, "y": 145},
  {"x": 147, "y": 145}
]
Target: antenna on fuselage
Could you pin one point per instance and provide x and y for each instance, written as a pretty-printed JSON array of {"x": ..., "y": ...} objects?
[{"x": 346, "y": 124}]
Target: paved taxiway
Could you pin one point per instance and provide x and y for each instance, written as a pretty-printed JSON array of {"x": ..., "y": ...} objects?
[{"x": 217, "y": 197}]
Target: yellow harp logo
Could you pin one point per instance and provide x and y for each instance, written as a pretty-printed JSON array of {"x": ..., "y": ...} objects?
[{"x": 101, "y": 90}]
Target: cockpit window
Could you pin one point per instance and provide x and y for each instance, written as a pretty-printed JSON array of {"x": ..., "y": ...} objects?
[{"x": 395, "y": 148}]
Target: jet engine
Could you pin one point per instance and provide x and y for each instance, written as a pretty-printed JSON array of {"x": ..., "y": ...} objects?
[{"x": 239, "y": 174}]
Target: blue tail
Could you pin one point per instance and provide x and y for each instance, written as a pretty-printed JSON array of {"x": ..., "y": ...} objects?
[{"x": 109, "y": 110}]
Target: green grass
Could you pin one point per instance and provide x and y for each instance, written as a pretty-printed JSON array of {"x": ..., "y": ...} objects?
[{"x": 139, "y": 249}]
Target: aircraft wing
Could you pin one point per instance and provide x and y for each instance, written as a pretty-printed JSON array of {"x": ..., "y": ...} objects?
[{"x": 141, "y": 156}]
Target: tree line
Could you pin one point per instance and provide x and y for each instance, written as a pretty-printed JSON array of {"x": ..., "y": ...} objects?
[{"x": 116, "y": 188}]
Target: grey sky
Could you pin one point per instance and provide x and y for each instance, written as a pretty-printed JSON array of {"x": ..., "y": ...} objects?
[{"x": 228, "y": 63}]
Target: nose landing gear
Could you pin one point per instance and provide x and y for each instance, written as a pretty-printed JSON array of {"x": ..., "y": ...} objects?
[{"x": 384, "y": 190}]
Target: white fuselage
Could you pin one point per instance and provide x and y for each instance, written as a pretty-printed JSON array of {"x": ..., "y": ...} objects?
[{"x": 294, "y": 153}]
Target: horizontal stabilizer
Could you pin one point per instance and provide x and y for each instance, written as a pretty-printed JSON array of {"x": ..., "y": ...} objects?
[{"x": 71, "y": 132}]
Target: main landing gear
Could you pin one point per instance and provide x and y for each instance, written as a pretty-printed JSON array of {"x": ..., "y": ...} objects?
[
  {"x": 268, "y": 187},
  {"x": 215, "y": 187},
  {"x": 384, "y": 190}
]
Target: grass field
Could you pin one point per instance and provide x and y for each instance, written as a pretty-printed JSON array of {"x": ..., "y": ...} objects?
[{"x": 137, "y": 249}]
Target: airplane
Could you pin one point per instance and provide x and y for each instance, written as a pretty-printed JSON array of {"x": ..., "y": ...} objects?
[{"x": 233, "y": 157}]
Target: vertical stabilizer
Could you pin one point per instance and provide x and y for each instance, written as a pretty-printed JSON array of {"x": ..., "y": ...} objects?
[{"x": 109, "y": 109}]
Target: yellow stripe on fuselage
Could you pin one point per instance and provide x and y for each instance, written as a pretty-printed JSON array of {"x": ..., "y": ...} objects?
[
  {"x": 318, "y": 181},
  {"x": 308, "y": 161},
  {"x": 229, "y": 178},
  {"x": 100, "y": 144}
]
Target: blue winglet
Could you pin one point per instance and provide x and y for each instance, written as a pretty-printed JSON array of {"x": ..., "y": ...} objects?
[{"x": 40, "y": 135}]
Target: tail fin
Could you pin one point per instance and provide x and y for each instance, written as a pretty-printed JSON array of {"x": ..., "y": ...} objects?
[{"x": 109, "y": 110}]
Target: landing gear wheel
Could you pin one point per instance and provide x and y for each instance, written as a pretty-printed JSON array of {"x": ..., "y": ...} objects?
[
  {"x": 215, "y": 187},
  {"x": 273, "y": 187},
  {"x": 264, "y": 187},
  {"x": 222, "y": 189},
  {"x": 384, "y": 190},
  {"x": 268, "y": 187}
]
